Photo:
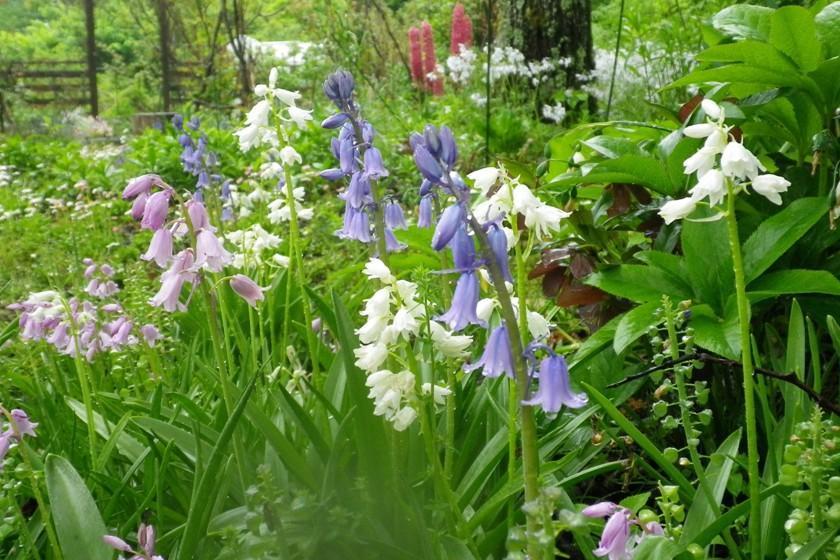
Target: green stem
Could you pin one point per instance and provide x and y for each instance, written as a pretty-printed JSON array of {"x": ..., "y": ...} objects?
[
  {"x": 82, "y": 372},
  {"x": 688, "y": 427},
  {"x": 749, "y": 391},
  {"x": 528, "y": 424},
  {"x": 816, "y": 470},
  {"x": 296, "y": 263}
]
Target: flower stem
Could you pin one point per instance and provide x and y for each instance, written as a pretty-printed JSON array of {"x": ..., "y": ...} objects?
[
  {"x": 528, "y": 425},
  {"x": 747, "y": 365},
  {"x": 296, "y": 264},
  {"x": 688, "y": 427}
]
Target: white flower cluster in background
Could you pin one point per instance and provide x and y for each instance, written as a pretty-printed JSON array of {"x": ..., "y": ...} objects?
[
  {"x": 460, "y": 66},
  {"x": 722, "y": 164},
  {"x": 394, "y": 314},
  {"x": 555, "y": 113},
  {"x": 508, "y": 61},
  {"x": 252, "y": 244},
  {"x": 7, "y": 173}
]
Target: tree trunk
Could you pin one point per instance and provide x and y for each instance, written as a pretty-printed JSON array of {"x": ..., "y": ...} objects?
[{"x": 553, "y": 29}]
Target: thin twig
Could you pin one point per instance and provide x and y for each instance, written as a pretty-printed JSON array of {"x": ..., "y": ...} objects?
[{"x": 704, "y": 357}]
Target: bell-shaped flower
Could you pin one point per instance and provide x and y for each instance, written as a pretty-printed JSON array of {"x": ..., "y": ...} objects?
[
  {"x": 713, "y": 110},
  {"x": 554, "y": 390},
  {"x": 392, "y": 245},
  {"x": 160, "y": 249},
  {"x": 462, "y": 311},
  {"x": 600, "y": 509},
  {"x": 677, "y": 209},
  {"x": 485, "y": 179},
  {"x": 247, "y": 289},
  {"x": 334, "y": 121},
  {"x": 497, "y": 358},
  {"x": 404, "y": 418},
  {"x": 156, "y": 210},
  {"x": 375, "y": 268},
  {"x": 300, "y": 116},
  {"x": 374, "y": 167},
  {"x": 712, "y": 184},
  {"x": 370, "y": 356},
  {"x": 427, "y": 164},
  {"x": 701, "y": 162},
  {"x": 448, "y": 147},
  {"x": 769, "y": 186},
  {"x": 394, "y": 217},
  {"x": 138, "y": 207},
  {"x": 499, "y": 244},
  {"x": 700, "y": 130},
  {"x": 615, "y": 537},
  {"x": 172, "y": 281},
  {"x": 738, "y": 162},
  {"x": 358, "y": 191},
  {"x": 424, "y": 213},
  {"x": 21, "y": 424},
  {"x": 450, "y": 345},
  {"x": 451, "y": 219},
  {"x": 210, "y": 253},
  {"x": 140, "y": 185},
  {"x": 463, "y": 250},
  {"x": 150, "y": 334},
  {"x": 290, "y": 156}
]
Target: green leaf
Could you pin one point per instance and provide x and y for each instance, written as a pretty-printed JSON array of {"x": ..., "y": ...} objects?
[
  {"x": 815, "y": 546},
  {"x": 638, "y": 283},
  {"x": 631, "y": 169},
  {"x": 701, "y": 514},
  {"x": 77, "y": 520},
  {"x": 613, "y": 146},
  {"x": 709, "y": 261},
  {"x": 709, "y": 533},
  {"x": 778, "y": 233},
  {"x": 717, "y": 335},
  {"x": 656, "y": 547},
  {"x": 741, "y": 73},
  {"x": 650, "y": 448},
  {"x": 793, "y": 32},
  {"x": 828, "y": 28},
  {"x": 744, "y": 21},
  {"x": 754, "y": 53},
  {"x": 794, "y": 281},
  {"x": 633, "y": 325},
  {"x": 205, "y": 493},
  {"x": 126, "y": 444}
]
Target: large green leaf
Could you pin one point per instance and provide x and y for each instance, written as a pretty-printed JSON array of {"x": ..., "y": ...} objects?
[
  {"x": 638, "y": 283},
  {"x": 78, "y": 523},
  {"x": 632, "y": 169},
  {"x": 793, "y": 32},
  {"x": 701, "y": 514},
  {"x": 717, "y": 335},
  {"x": 709, "y": 261},
  {"x": 794, "y": 281},
  {"x": 744, "y": 21},
  {"x": 778, "y": 233},
  {"x": 741, "y": 73},
  {"x": 754, "y": 53},
  {"x": 633, "y": 325},
  {"x": 828, "y": 28}
]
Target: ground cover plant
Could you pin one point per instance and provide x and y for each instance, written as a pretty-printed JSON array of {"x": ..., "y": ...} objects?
[{"x": 414, "y": 301}]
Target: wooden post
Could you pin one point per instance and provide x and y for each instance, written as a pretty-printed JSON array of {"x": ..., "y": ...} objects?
[
  {"x": 91, "y": 56},
  {"x": 165, "y": 54}
]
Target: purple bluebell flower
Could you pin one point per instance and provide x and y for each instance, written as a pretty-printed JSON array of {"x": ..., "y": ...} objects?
[
  {"x": 451, "y": 219},
  {"x": 199, "y": 218},
  {"x": 448, "y": 147},
  {"x": 21, "y": 424},
  {"x": 332, "y": 174},
  {"x": 426, "y": 188},
  {"x": 600, "y": 509},
  {"x": 463, "y": 250},
  {"x": 394, "y": 217},
  {"x": 338, "y": 87},
  {"x": 373, "y": 164},
  {"x": 194, "y": 123},
  {"x": 498, "y": 243},
  {"x": 160, "y": 249},
  {"x": 172, "y": 281},
  {"x": 140, "y": 185},
  {"x": 358, "y": 192},
  {"x": 178, "y": 121},
  {"x": 427, "y": 164},
  {"x": 209, "y": 252},
  {"x": 247, "y": 289},
  {"x": 347, "y": 156},
  {"x": 462, "y": 311},
  {"x": 497, "y": 358},
  {"x": 391, "y": 243},
  {"x": 615, "y": 537},
  {"x": 335, "y": 121},
  {"x": 151, "y": 334},
  {"x": 554, "y": 390},
  {"x": 156, "y": 210},
  {"x": 424, "y": 214},
  {"x": 356, "y": 225},
  {"x": 431, "y": 140}
]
